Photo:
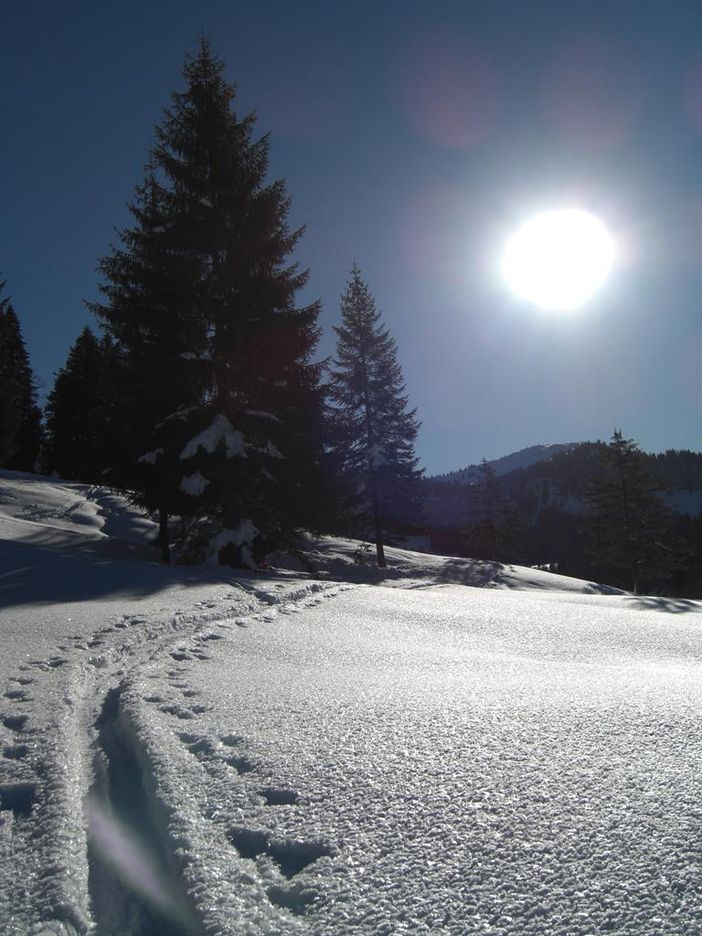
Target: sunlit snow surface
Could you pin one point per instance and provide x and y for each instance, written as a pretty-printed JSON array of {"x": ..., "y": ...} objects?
[{"x": 325, "y": 756}]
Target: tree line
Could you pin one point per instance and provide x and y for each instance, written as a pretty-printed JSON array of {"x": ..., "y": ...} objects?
[
  {"x": 199, "y": 393},
  {"x": 595, "y": 511}
]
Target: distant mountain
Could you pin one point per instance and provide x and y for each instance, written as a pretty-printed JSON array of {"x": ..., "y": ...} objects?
[
  {"x": 555, "y": 478},
  {"x": 521, "y": 459}
]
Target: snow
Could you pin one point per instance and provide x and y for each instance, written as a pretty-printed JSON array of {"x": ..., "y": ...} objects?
[
  {"x": 150, "y": 458},
  {"x": 447, "y": 746},
  {"x": 219, "y": 432},
  {"x": 243, "y": 535},
  {"x": 194, "y": 484}
]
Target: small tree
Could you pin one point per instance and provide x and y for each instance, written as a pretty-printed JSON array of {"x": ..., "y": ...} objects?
[
  {"x": 81, "y": 442},
  {"x": 373, "y": 430},
  {"x": 629, "y": 526},
  {"x": 492, "y": 520},
  {"x": 20, "y": 417}
]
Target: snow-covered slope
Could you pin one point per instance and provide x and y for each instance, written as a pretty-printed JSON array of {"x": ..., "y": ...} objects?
[{"x": 449, "y": 747}]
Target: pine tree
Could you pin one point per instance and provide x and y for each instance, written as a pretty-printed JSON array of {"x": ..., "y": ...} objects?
[
  {"x": 80, "y": 424},
  {"x": 492, "y": 520},
  {"x": 629, "y": 526},
  {"x": 202, "y": 301},
  {"x": 374, "y": 433},
  {"x": 20, "y": 417}
]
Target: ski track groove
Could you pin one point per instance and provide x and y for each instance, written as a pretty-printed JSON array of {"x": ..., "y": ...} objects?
[{"x": 47, "y": 769}]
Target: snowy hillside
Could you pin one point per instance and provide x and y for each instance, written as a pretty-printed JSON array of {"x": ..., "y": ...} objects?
[{"x": 451, "y": 746}]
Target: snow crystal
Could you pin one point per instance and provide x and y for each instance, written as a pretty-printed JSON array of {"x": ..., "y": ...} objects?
[
  {"x": 194, "y": 484},
  {"x": 220, "y": 431}
]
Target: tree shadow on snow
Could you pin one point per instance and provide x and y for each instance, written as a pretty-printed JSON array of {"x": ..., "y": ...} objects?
[
  {"x": 475, "y": 572},
  {"x": 33, "y": 573},
  {"x": 670, "y": 605}
]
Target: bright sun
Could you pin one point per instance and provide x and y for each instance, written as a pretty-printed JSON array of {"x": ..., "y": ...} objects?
[{"x": 557, "y": 260}]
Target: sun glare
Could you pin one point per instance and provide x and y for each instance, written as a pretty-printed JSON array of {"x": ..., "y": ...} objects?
[{"x": 558, "y": 260}]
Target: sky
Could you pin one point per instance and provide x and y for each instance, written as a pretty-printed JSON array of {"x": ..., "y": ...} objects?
[{"x": 414, "y": 137}]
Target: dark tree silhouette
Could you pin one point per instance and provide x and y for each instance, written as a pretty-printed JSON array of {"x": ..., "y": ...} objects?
[
  {"x": 20, "y": 417},
  {"x": 373, "y": 431},
  {"x": 201, "y": 299},
  {"x": 81, "y": 429},
  {"x": 629, "y": 526},
  {"x": 493, "y": 525}
]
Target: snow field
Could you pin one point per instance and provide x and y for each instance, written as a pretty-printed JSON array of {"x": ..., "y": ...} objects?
[{"x": 461, "y": 748}]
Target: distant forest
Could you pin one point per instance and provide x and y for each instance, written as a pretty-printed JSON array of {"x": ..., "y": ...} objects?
[{"x": 551, "y": 514}]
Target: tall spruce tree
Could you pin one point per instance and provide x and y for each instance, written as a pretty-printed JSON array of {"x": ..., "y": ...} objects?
[
  {"x": 20, "y": 416},
  {"x": 201, "y": 299},
  {"x": 629, "y": 526},
  {"x": 373, "y": 431},
  {"x": 81, "y": 442}
]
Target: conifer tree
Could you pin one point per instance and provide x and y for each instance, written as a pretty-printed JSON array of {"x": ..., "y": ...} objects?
[
  {"x": 374, "y": 432},
  {"x": 201, "y": 298},
  {"x": 80, "y": 426},
  {"x": 492, "y": 521},
  {"x": 629, "y": 526},
  {"x": 20, "y": 417}
]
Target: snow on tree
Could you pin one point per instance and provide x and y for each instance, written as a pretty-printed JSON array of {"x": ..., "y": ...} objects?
[
  {"x": 628, "y": 524},
  {"x": 201, "y": 296},
  {"x": 20, "y": 417},
  {"x": 373, "y": 431}
]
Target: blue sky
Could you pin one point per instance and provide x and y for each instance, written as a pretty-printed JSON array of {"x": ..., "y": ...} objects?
[{"x": 413, "y": 137}]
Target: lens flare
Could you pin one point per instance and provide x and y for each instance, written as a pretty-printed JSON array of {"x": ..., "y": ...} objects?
[{"x": 559, "y": 259}]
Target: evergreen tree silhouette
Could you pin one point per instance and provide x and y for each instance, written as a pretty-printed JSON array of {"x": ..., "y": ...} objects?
[
  {"x": 373, "y": 431},
  {"x": 201, "y": 299},
  {"x": 629, "y": 526},
  {"x": 20, "y": 416},
  {"x": 81, "y": 444}
]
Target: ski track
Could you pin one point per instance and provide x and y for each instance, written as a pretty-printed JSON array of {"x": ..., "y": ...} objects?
[{"x": 47, "y": 770}]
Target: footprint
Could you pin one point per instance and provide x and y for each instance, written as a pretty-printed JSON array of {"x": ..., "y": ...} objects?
[
  {"x": 16, "y": 751},
  {"x": 189, "y": 693},
  {"x": 17, "y": 695},
  {"x": 293, "y": 856},
  {"x": 294, "y": 898},
  {"x": 290, "y": 855},
  {"x": 23, "y": 680},
  {"x": 178, "y": 710},
  {"x": 277, "y": 796},
  {"x": 231, "y": 740},
  {"x": 18, "y": 797},
  {"x": 195, "y": 744},
  {"x": 14, "y": 722},
  {"x": 153, "y": 698},
  {"x": 242, "y": 765}
]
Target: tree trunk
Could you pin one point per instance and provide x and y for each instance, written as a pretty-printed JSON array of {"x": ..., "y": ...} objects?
[
  {"x": 163, "y": 542},
  {"x": 377, "y": 526}
]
